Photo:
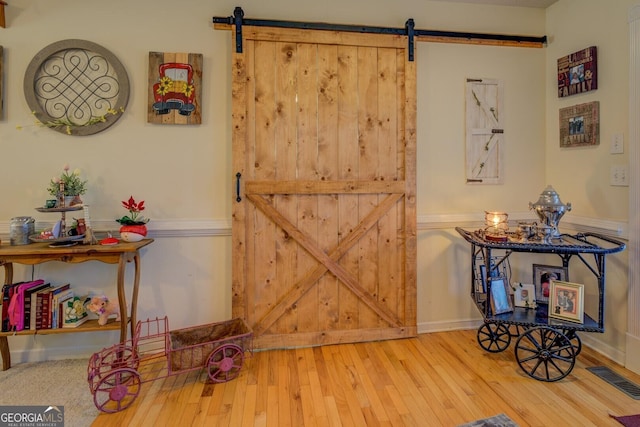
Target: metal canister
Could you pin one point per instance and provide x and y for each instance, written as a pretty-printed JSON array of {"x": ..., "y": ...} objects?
[{"x": 20, "y": 229}]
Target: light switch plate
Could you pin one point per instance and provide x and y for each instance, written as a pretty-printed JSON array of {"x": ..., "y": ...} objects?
[
  {"x": 617, "y": 143},
  {"x": 619, "y": 175}
]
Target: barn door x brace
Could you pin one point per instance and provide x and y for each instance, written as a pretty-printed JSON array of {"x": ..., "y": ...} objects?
[{"x": 409, "y": 30}]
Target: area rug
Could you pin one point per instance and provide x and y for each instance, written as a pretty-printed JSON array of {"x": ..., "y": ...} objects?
[
  {"x": 53, "y": 383},
  {"x": 628, "y": 420},
  {"x": 500, "y": 420}
]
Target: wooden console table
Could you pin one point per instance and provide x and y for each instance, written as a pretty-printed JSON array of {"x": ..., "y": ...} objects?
[{"x": 37, "y": 253}]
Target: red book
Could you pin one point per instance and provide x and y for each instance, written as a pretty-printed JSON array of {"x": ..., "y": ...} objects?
[
  {"x": 45, "y": 308},
  {"x": 30, "y": 305},
  {"x": 38, "y": 307}
]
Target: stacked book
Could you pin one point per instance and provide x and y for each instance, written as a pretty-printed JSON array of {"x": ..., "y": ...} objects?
[{"x": 39, "y": 305}]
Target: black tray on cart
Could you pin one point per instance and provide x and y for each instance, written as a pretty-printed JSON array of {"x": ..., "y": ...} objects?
[
  {"x": 564, "y": 244},
  {"x": 545, "y": 348},
  {"x": 538, "y": 316}
]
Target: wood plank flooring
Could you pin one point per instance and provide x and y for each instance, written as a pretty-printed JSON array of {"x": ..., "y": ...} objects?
[{"x": 436, "y": 379}]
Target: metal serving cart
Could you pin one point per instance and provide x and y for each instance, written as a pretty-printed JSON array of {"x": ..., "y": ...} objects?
[{"x": 546, "y": 347}]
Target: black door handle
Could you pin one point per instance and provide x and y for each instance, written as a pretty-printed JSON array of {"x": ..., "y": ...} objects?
[{"x": 238, "y": 198}]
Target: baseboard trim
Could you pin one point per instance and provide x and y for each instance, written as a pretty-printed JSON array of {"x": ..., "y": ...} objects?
[
  {"x": 590, "y": 340},
  {"x": 52, "y": 352},
  {"x": 632, "y": 355},
  {"x": 444, "y": 326}
]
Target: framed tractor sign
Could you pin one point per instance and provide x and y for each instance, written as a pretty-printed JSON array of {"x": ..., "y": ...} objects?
[{"x": 174, "y": 88}]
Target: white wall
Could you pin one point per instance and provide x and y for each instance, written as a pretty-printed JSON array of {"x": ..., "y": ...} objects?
[
  {"x": 183, "y": 172},
  {"x": 572, "y": 25},
  {"x": 581, "y": 175},
  {"x": 443, "y": 264}
]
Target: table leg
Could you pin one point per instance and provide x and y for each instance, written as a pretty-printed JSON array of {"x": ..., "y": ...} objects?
[
  {"x": 6, "y": 355},
  {"x": 4, "y": 342},
  {"x": 134, "y": 295},
  {"x": 122, "y": 301},
  {"x": 8, "y": 273}
]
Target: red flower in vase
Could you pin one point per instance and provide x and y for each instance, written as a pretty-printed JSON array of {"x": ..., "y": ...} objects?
[
  {"x": 134, "y": 217},
  {"x": 133, "y": 226}
]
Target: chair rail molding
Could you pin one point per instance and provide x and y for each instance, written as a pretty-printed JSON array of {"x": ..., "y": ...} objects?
[
  {"x": 185, "y": 227},
  {"x": 573, "y": 223}
]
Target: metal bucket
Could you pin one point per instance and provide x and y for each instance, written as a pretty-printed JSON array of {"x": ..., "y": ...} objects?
[{"x": 20, "y": 229}]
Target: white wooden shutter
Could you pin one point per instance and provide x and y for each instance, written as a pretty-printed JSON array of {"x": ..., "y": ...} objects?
[{"x": 484, "y": 132}]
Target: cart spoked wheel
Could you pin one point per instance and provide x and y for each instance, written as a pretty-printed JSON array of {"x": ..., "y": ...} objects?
[
  {"x": 120, "y": 356},
  {"x": 225, "y": 362},
  {"x": 117, "y": 390},
  {"x": 494, "y": 337},
  {"x": 575, "y": 340},
  {"x": 545, "y": 354}
]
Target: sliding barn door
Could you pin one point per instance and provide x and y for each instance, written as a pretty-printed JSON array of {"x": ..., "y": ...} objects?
[{"x": 324, "y": 145}]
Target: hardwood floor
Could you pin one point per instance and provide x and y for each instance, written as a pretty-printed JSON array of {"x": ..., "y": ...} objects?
[{"x": 436, "y": 379}]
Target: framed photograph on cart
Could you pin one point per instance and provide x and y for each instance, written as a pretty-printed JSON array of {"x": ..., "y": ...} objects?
[
  {"x": 542, "y": 277},
  {"x": 500, "y": 298},
  {"x": 566, "y": 301},
  {"x": 524, "y": 295}
]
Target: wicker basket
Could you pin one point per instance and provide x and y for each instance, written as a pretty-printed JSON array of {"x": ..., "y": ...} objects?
[{"x": 191, "y": 347}]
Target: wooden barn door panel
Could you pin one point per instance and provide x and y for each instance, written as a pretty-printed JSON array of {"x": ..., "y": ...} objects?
[{"x": 324, "y": 145}]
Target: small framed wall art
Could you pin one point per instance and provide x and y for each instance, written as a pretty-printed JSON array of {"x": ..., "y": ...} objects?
[
  {"x": 175, "y": 88},
  {"x": 578, "y": 72},
  {"x": 580, "y": 125}
]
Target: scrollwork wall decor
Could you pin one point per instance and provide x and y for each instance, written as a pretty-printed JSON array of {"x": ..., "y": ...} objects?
[{"x": 76, "y": 87}]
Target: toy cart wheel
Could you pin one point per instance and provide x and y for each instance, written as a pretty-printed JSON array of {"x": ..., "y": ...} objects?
[
  {"x": 225, "y": 362},
  {"x": 494, "y": 337},
  {"x": 545, "y": 354},
  {"x": 117, "y": 390},
  {"x": 93, "y": 371},
  {"x": 100, "y": 364}
]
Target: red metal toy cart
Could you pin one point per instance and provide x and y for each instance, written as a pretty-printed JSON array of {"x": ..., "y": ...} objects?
[{"x": 114, "y": 380}]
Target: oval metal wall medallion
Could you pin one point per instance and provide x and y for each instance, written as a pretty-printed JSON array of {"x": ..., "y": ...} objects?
[{"x": 76, "y": 87}]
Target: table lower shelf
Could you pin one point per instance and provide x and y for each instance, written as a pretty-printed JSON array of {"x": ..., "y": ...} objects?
[{"x": 88, "y": 326}]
